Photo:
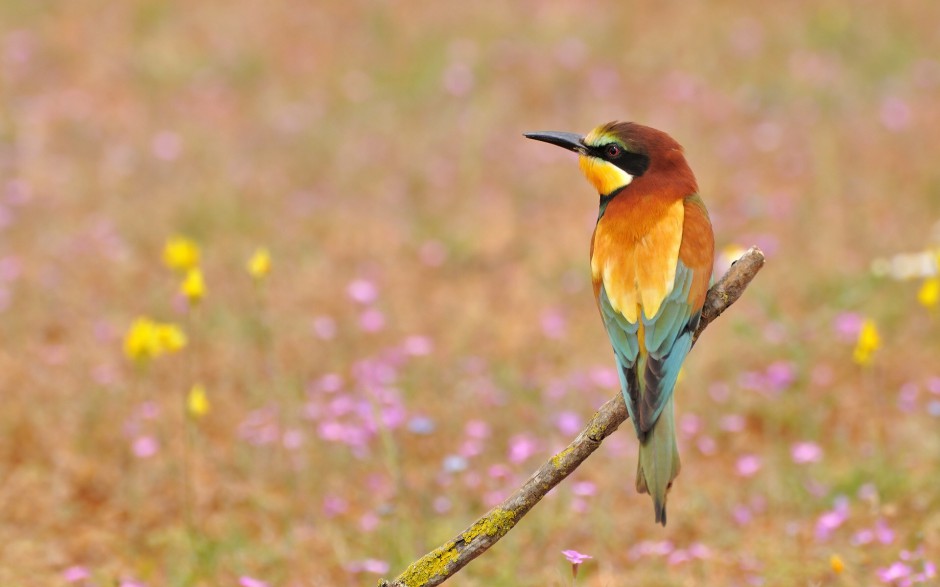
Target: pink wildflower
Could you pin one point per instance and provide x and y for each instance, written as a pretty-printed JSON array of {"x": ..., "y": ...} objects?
[
  {"x": 690, "y": 425},
  {"x": 605, "y": 377},
  {"x": 806, "y": 452},
  {"x": 371, "y": 320},
  {"x": 847, "y": 325},
  {"x": 896, "y": 571},
  {"x": 832, "y": 519},
  {"x": 733, "y": 423},
  {"x": 458, "y": 79},
  {"x": 719, "y": 392},
  {"x": 699, "y": 550},
  {"x": 707, "y": 445},
  {"x": 433, "y": 253},
  {"x": 895, "y": 113},
  {"x": 145, "y": 447},
  {"x": 362, "y": 291},
  {"x": 478, "y": 429},
  {"x": 75, "y": 574},
  {"x": 568, "y": 423},
  {"x": 742, "y": 514},
  {"x": 748, "y": 465},
  {"x": 166, "y": 145},
  {"x": 678, "y": 556},
  {"x": 292, "y": 439},
  {"x": 499, "y": 472},
  {"x": 493, "y": 498},
  {"x": 584, "y": 488},
  {"x": 863, "y": 536},
  {"x": 441, "y": 504},
  {"x": 334, "y": 505},
  {"x": 933, "y": 385},
  {"x": 554, "y": 324},
  {"x": 521, "y": 447},
  {"x": 575, "y": 558},
  {"x": 418, "y": 346},
  {"x": 907, "y": 397},
  {"x": 930, "y": 570},
  {"x": 369, "y": 565},
  {"x": 651, "y": 548},
  {"x": 324, "y": 327},
  {"x": 780, "y": 375},
  {"x": 883, "y": 532}
]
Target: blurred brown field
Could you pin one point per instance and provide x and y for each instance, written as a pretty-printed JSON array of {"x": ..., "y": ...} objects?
[{"x": 426, "y": 336}]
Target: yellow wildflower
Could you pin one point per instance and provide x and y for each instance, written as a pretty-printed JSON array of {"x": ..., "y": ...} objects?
[
  {"x": 733, "y": 252},
  {"x": 836, "y": 563},
  {"x": 867, "y": 343},
  {"x": 181, "y": 253},
  {"x": 147, "y": 339},
  {"x": 929, "y": 293},
  {"x": 193, "y": 286},
  {"x": 196, "y": 402},
  {"x": 259, "y": 265},
  {"x": 171, "y": 338},
  {"x": 727, "y": 256},
  {"x": 142, "y": 341}
]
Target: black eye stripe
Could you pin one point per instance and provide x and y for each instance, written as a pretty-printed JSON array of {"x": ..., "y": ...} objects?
[{"x": 635, "y": 164}]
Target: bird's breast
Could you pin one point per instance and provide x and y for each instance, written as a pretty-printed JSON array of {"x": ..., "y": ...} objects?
[{"x": 634, "y": 254}]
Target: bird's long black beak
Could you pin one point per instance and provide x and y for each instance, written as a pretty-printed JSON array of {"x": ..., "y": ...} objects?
[{"x": 567, "y": 140}]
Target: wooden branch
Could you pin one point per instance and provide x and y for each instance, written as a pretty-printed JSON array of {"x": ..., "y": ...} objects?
[{"x": 440, "y": 564}]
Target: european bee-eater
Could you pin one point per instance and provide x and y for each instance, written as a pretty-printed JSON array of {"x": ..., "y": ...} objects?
[{"x": 651, "y": 263}]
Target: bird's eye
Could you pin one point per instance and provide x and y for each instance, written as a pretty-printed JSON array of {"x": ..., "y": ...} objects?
[{"x": 612, "y": 150}]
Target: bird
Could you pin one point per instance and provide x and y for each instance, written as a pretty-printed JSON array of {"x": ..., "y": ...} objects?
[{"x": 651, "y": 265}]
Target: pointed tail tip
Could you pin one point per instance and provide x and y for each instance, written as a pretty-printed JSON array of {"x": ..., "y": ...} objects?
[{"x": 660, "y": 513}]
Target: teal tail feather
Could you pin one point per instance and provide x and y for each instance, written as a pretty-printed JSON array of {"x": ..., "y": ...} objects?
[{"x": 659, "y": 461}]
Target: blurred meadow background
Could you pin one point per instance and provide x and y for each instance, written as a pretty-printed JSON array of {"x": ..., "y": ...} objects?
[{"x": 286, "y": 298}]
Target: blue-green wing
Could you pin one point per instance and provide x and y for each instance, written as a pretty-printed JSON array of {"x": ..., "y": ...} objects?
[
  {"x": 625, "y": 341},
  {"x": 667, "y": 339}
]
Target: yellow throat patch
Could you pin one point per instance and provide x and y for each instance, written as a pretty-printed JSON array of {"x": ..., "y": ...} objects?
[{"x": 605, "y": 176}]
